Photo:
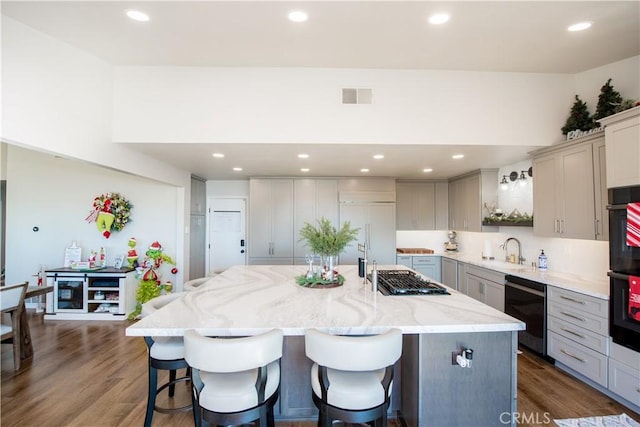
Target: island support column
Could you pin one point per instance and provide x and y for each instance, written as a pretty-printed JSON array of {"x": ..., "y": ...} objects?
[{"x": 436, "y": 392}]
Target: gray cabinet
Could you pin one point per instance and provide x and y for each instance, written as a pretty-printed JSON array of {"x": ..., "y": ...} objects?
[
  {"x": 428, "y": 266},
  {"x": 578, "y": 332},
  {"x": 624, "y": 373},
  {"x": 421, "y": 205},
  {"x": 622, "y": 133},
  {"x": 449, "y": 270},
  {"x": 313, "y": 199},
  {"x": 270, "y": 221},
  {"x": 198, "y": 196},
  {"x": 197, "y": 228},
  {"x": 600, "y": 188},
  {"x": 467, "y": 196},
  {"x": 377, "y": 224},
  {"x": 486, "y": 286},
  {"x": 564, "y": 190}
]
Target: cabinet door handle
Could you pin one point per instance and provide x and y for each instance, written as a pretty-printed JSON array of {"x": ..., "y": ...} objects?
[
  {"x": 573, "y": 316},
  {"x": 573, "y": 300},
  {"x": 562, "y": 226},
  {"x": 596, "y": 222},
  {"x": 573, "y": 355},
  {"x": 573, "y": 333},
  {"x": 556, "y": 227}
]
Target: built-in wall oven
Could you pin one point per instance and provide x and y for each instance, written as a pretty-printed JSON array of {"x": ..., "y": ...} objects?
[
  {"x": 526, "y": 301},
  {"x": 624, "y": 262}
]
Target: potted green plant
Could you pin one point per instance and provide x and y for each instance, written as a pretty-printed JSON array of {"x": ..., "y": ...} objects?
[{"x": 328, "y": 242}]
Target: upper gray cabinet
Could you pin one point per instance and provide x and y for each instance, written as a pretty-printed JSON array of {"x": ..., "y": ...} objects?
[
  {"x": 467, "y": 196},
  {"x": 198, "y": 196},
  {"x": 564, "y": 190},
  {"x": 313, "y": 199},
  {"x": 271, "y": 221},
  {"x": 421, "y": 205},
  {"x": 622, "y": 134}
]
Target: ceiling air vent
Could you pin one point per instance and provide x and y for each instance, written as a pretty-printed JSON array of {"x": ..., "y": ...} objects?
[{"x": 356, "y": 96}]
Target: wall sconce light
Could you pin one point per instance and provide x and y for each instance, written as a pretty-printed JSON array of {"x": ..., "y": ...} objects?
[
  {"x": 523, "y": 179},
  {"x": 504, "y": 185}
]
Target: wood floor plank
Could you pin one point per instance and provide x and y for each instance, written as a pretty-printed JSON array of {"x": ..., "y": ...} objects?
[{"x": 89, "y": 374}]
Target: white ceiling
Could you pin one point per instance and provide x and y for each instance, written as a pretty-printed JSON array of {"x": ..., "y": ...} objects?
[{"x": 492, "y": 36}]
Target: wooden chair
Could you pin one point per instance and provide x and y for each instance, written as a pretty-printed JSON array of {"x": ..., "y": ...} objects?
[{"x": 12, "y": 302}]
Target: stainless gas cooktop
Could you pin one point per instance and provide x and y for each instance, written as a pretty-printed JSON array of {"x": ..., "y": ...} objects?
[{"x": 407, "y": 282}]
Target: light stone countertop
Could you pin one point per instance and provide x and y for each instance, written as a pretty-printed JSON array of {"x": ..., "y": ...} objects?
[
  {"x": 596, "y": 287},
  {"x": 246, "y": 300}
]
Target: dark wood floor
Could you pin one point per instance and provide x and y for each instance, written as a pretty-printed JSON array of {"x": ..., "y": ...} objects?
[{"x": 91, "y": 374}]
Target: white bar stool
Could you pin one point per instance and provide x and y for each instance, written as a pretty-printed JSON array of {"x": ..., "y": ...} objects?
[
  {"x": 351, "y": 377},
  {"x": 235, "y": 380},
  {"x": 165, "y": 353}
]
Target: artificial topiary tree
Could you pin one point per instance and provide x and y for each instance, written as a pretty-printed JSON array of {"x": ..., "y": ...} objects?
[
  {"x": 579, "y": 119},
  {"x": 608, "y": 102}
]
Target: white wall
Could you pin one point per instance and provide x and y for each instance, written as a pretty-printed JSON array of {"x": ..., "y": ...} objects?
[
  {"x": 58, "y": 99},
  {"x": 624, "y": 75},
  {"x": 56, "y": 195},
  {"x": 516, "y": 196},
  {"x": 264, "y": 105}
]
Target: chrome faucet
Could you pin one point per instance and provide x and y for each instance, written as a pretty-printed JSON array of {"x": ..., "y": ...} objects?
[{"x": 505, "y": 246}]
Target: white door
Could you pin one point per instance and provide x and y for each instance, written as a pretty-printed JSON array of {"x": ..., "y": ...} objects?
[{"x": 227, "y": 233}]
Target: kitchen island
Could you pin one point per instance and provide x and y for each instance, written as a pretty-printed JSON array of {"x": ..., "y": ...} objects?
[{"x": 430, "y": 388}]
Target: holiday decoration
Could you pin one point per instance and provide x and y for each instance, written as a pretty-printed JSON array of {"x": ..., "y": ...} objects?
[
  {"x": 579, "y": 118},
  {"x": 110, "y": 210},
  {"x": 132, "y": 255},
  {"x": 609, "y": 101},
  {"x": 150, "y": 285}
]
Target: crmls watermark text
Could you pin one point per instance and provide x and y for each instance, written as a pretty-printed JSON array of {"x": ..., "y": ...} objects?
[{"x": 525, "y": 418}]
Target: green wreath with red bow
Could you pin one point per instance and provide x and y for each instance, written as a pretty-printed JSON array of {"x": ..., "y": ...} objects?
[{"x": 110, "y": 211}]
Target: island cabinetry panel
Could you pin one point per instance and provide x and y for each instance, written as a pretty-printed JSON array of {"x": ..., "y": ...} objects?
[
  {"x": 578, "y": 335},
  {"x": 438, "y": 392},
  {"x": 313, "y": 199},
  {"x": 449, "y": 270},
  {"x": 486, "y": 286},
  {"x": 564, "y": 193},
  {"x": 296, "y": 401},
  {"x": 622, "y": 135},
  {"x": 467, "y": 196},
  {"x": 270, "y": 221},
  {"x": 106, "y": 294},
  {"x": 421, "y": 205},
  {"x": 624, "y": 374},
  {"x": 428, "y": 266}
]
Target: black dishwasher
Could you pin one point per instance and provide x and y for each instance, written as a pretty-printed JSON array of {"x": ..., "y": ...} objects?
[{"x": 526, "y": 301}]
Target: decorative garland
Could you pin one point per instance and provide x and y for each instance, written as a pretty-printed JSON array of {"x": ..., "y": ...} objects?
[{"x": 110, "y": 210}]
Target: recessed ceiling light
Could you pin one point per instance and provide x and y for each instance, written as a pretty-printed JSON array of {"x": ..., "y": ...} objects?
[
  {"x": 427, "y": 170},
  {"x": 303, "y": 156},
  {"x": 579, "y": 26},
  {"x": 457, "y": 156},
  {"x": 298, "y": 16},
  {"x": 136, "y": 15},
  {"x": 218, "y": 155},
  {"x": 237, "y": 169},
  {"x": 304, "y": 170},
  {"x": 439, "y": 18},
  {"x": 378, "y": 156},
  {"x": 364, "y": 170}
]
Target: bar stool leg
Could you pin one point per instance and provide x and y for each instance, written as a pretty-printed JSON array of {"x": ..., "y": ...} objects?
[{"x": 151, "y": 396}]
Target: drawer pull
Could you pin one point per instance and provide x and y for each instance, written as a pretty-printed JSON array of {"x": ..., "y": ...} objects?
[
  {"x": 582, "y": 319},
  {"x": 573, "y": 333},
  {"x": 572, "y": 355},
  {"x": 573, "y": 300}
]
